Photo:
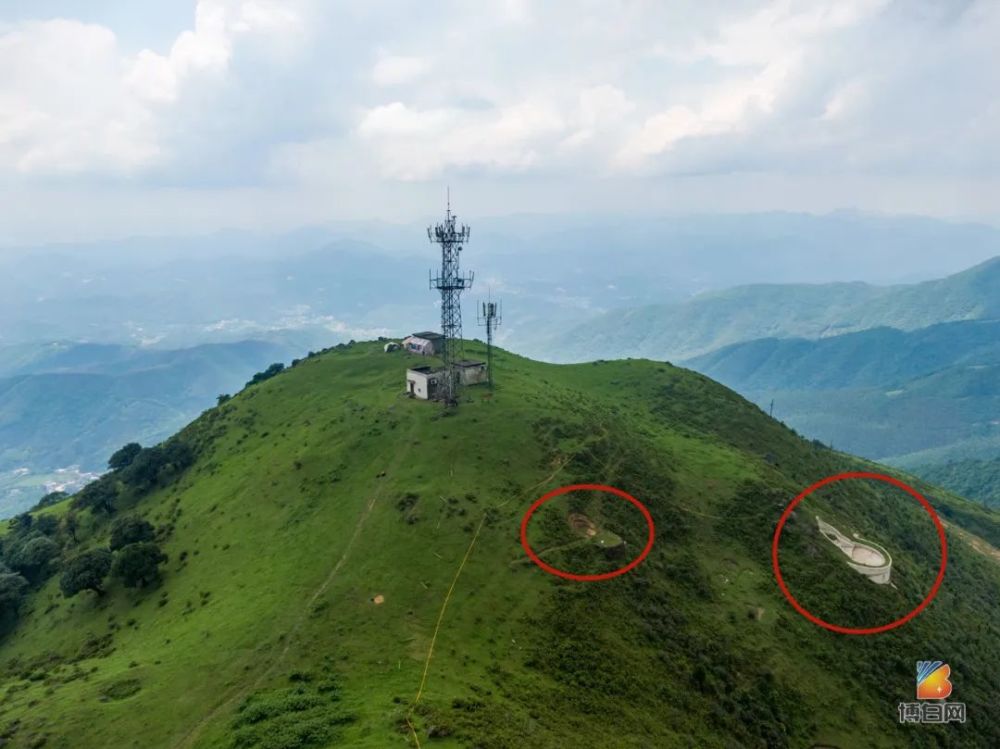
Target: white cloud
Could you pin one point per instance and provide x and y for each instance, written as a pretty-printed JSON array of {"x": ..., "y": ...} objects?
[
  {"x": 782, "y": 29},
  {"x": 413, "y": 144},
  {"x": 208, "y": 47},
  {"x": 63, "y": 107},
  {"x": 373, "y": 99},
  {"x": 395, "y": 70},
  {"x": 72, "y": 102},
  {"x": 770, "y": 52},
  {"x": 845, "y": 100}
]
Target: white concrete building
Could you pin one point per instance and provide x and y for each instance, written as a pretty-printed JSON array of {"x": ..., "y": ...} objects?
[
  {"x": 423, "y": 382},
  {"x": 864, "y": 557}
]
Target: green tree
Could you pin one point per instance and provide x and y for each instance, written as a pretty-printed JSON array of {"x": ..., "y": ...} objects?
[
  {"x": 138, "y": 565},
  {"x": 86, "y": 571},
  {"x": 223, "y": 399},
  {"x": 129, "y": 530},
  {"x": 12, "y": 590},
  {"x": 272, "y": 371},
  {"x": 71, "y": 525},
  {"x": 123, "y": 457},
  {"x": 32, "y": 556},
  {"x": 47, "y": 525},
  {"x": 97, "y": 496},
  {"x": 20, "y": 524},
  {"x": 52, "y": 498},
  {"x": 156, "y": 466}
]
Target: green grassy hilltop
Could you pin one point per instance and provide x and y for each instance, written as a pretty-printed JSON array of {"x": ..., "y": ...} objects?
[{"x": 344, "y": 570}]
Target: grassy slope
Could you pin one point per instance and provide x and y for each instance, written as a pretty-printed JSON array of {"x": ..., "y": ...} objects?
[{"x": 284, "y": 531}]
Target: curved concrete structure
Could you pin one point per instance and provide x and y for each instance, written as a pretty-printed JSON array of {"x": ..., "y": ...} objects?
[{"x": 866, "y": 557}]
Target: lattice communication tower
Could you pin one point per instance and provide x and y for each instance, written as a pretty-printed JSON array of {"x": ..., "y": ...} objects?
[{"x": 451, "y": 283}]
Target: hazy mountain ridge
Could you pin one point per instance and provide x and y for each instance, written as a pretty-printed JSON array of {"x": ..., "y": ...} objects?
[
  {"x": 913, "y": 398},
  {"x": 712, "y": 321},
  {"x": 359, "y": 280},
  {"x": 878, "y": 357},
  {"x": 64, "y": 405}
]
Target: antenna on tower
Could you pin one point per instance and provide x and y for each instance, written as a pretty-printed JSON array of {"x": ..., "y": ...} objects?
[
  {"x": 490, "y": 314},
  {"x": 451, "y": 283}
]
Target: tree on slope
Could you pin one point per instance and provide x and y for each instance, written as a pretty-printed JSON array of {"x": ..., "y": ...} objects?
[
  {"x": 32, "y": 556},
  {"x": 138, "y": 565},
  {"x": 86, "y": 571},
  {"x": 12, "y": 590},
  {"x": 97, "y": 496},
  {"x": 123, "y": 457},
  {"x": 129, "y": 530}
]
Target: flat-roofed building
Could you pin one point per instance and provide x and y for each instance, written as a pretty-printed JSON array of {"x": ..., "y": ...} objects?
[
  {"x": 471, "y": 371},
  {"x": 423, "y": 382},
  {"x": 425, "y": 343}
]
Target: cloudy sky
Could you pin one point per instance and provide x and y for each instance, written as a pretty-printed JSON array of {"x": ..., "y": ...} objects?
[{"x": 170, "y": 116}]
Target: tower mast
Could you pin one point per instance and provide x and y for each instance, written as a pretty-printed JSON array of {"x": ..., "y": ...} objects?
[
  {"x": 489, "y": 315},
  {"x": 451, "y": 283}
]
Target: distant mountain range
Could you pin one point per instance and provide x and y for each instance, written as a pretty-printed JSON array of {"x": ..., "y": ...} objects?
[
  {"x": 335, "y": 283},
  {"x": 64, "y": 408},
  {"x": 745, "y": 313},
  {"x": 903, "y": 397},
  {"x": 906, "y": 374},
  {"x": 881, "y": 357}
]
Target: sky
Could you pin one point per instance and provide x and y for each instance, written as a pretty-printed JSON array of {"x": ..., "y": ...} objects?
[{"x": 166, "y": 116}]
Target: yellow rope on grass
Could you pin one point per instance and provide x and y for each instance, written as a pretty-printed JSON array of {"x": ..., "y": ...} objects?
[{"x": 437, "y": 628}]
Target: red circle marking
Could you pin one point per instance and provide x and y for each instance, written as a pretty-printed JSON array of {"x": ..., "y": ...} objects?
[
  {"x": 860, "y": 630},
  {"x": 586, "y": 487}
]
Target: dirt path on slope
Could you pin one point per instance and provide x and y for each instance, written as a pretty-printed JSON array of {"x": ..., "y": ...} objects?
[
  {"x": 977, "y": 543},
  {"x": 238, "y": 693}
]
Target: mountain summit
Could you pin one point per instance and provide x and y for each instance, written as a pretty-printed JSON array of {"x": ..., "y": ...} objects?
[{"x": 343, "y": 569}]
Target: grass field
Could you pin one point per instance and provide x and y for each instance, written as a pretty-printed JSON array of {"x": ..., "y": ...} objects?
[{"x": 324, "y": 488}]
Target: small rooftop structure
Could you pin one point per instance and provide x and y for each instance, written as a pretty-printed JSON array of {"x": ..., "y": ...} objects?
[
  {"x": 865, "y": 557},
  {"x": 425, "y": 343}
]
